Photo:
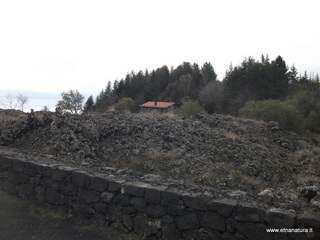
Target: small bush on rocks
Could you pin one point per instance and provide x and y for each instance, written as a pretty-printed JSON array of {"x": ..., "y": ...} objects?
[
  {"x": 190, "y": 108},
  {"x": 297, "y": 113},
  {"x": 274, "y": 110},
  {"x": 124, "y": 104}
]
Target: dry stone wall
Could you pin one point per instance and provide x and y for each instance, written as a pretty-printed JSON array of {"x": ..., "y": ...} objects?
[{"x": 153, "y": 212}]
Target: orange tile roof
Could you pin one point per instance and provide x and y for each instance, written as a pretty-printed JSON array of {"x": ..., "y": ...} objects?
[{"x": 157, "y": 104}]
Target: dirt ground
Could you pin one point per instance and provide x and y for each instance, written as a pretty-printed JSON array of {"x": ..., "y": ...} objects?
[{"x": 23, "y": 220}]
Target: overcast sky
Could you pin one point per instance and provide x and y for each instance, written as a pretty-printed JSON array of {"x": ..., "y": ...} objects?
[{"x": 53, "y": 46}]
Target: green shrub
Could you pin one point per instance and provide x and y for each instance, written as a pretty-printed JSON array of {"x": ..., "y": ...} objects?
[
  {"x": 124, "y": 104},
  {"x": 297, "y": 113},
  {"x": 305, "y": 102},
  {"x": 190, "y": 107},
  {"x": 309, "y": 107},
  {"x": 282, "y": 112},
  {"x": 312, "y": 122}
]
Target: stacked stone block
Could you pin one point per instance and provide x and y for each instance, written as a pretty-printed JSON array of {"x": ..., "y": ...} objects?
[{"x": 149, "y": 211}]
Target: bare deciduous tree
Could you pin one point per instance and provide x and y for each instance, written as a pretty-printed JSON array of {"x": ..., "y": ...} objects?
[
  {"x": 185, "y": 83},
  {"x": 212, "y": 96},
  {"x": 45, "y": 108},
  {"x": 15, "y": 102}
]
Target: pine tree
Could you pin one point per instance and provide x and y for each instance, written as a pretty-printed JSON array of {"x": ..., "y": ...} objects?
[
  {"x": 254, "y": 80},
  {"x": 88, "y": 106},
  {"x": 208, "y": 74}
]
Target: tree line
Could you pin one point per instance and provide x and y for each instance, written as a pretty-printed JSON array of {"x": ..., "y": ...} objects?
[
  {"x": 250, "y": 80},
  {"x": 263, "y": 89},
  {"x": 162, "y": 84}
]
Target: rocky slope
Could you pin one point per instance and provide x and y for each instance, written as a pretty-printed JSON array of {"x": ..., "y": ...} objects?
[{"x": 249, "y": 159}]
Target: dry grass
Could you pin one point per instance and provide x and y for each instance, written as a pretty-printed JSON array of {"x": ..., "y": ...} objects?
[
  {"x": 105, "y": 121},
  {"x": 316, "y": 151},
  {"x": 230, "y": 135},
  {"x": 238, "y": 127},
  {"x": 48, "y": 150},
  {"x": 309, "y": 160},
  {"x": 317, "y": 137},
  {"x": 94, "y": 114},
  {"x": 8, "y": 115},
  {"x": 235, "y": 124},
  {"x": 156, "y": 155},
  {"x": 154, "y": 161},
  {"x": 154, "y": 115},
  {"x": 214, "y": 174},
  {"x": 254, "y": 182},
  {"x": 305, "y": 179},
  {"x": 309, "y": 153},
  {"x": 260, "y": 140},
  {"x": 206, "y": 178},
  {"x": 255, "y": 121},
  {"x": 111, "y": 109},
  {"x": 147, "y": 115},
  {"x": 242, "y": 129},
  {"x": 169, "y": 114}
]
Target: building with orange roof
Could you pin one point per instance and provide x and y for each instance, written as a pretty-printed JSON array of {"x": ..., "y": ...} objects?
[{"x": 157, "y": 106}]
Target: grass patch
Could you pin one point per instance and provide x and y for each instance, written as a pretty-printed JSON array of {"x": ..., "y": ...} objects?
[{"x": 30, "y": 216}]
